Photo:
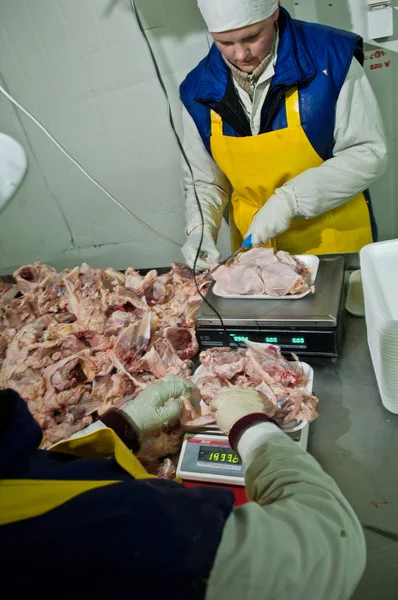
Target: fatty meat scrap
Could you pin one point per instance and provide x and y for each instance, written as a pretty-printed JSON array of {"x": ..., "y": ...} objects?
[
  {"x": 77, "y": 343},
  {"x": 261, "y": 271},
  {"x": 280, "y": 383}
]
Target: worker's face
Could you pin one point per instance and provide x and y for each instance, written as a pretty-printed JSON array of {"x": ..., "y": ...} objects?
[{"x": 247, "y": 47}]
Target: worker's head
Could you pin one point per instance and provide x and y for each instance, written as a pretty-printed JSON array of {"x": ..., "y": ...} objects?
[{"x": 243, "y": 30}]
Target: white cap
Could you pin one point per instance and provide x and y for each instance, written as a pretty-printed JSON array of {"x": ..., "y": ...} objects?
[{"x": 226, "y": 15}]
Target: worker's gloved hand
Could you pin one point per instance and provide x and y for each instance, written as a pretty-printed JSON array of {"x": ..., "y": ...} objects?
[
  {"x": 233, "y": 404},
  {"x": 209, "y": 249},
  {"x": 273, "y": 219},
  {"x": 159, "y": 403}
]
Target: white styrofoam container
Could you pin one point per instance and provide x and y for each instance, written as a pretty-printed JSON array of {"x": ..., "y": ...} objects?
[
  {"x": 379, "y": 267},
  {"x": 309, "y": 260}
]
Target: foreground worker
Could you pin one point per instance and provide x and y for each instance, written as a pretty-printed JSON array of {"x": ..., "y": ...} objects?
[
  {"x": 282, "y": 110},
  {"x": 86, "y": 520}
]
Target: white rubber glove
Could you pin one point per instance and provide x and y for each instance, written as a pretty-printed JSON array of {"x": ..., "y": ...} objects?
[
  {"x": 232, "y": 404},
  {"x": 209, "y": 249},
  {"x": 273, "y": 219},
  {"x": 159, "y": 403}
]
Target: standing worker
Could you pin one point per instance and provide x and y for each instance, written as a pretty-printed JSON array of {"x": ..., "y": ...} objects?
[
  {"x": 282, "y": 110},
  {"x": 85, "y": 519}
]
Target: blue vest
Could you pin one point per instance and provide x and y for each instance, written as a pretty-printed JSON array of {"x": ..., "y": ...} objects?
[
  {"x": 313, "y": 57},
  {"x": 136, "y": 539}
]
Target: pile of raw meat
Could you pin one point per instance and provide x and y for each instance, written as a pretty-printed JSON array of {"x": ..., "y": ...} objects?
[
  {"x": 262, "y": 272},
  {"x": 280, "y": 384},
  {"x": 77, "y": 343}
]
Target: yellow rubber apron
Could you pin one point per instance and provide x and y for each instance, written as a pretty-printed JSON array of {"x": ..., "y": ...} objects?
[
  {"x": 26, "y": 498},
  {"x": 256, "y": 166}
]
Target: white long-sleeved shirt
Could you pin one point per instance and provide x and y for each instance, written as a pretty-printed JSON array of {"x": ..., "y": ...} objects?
[
  {"x": 359, "y": 154},
  {"x": 298, "y": 538}
]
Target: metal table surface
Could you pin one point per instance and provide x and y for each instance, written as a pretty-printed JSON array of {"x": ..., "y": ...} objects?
[{"x": 356, "y": 441}]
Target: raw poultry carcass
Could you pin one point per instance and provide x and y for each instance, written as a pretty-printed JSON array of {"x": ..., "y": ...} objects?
[
  {"x": 280, "y": 384},
  {"x": 77, "y": 343},
  {"x": 262, "y": 272}
]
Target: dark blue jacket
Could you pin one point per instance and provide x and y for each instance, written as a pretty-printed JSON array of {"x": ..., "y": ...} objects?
[
  {"x": 313, "y": 57},
  {"x": 136, "y": 539}
]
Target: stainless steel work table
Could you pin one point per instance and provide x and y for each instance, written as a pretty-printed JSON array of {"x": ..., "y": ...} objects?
[{"x": 356, "y": 441}]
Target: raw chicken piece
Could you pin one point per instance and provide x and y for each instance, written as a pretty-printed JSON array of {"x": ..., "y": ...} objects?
[
  {"x": 224, "y": 362},
  {"x": 281, "y": 279},
  {"x": 209, "y": 385},
  {"x": 158, "y": 445},
  {"x": 279, "y": 383},
  {"x": 29, "y": 277},
  {"x": 139, "y": 284},
  {"x": 132, "y": 341},
  {"x": 166, "y": 470},
  {"x": 293, "y": 261},
  {"x": 28, "y": 382},
  {"x": 257, "y": 256},
  {"x": 286, "y": 258},
  {"x": 63, "y": 431},
  {"x": 8, "y": 291},
  {"x": 161, "y": 360},
  {"x": 272, "y": 364},
  {"x": 240, "y": 280},
  {"x": 127, "y": 301},
  {"x": 183, "y": 341},
  {"x": 113, "y": 387},
  {"x": 262, "y": 272}
]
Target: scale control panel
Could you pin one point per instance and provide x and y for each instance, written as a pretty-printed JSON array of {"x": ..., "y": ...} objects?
[
  {"x": 210, "y": 458},
  {"x": 302, "y": 342}
]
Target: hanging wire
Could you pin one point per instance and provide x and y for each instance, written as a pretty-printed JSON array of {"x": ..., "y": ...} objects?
[{"x": 186, "y": 159}]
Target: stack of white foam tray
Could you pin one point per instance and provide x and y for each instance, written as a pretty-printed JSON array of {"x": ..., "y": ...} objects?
[{"x": 379, "y": 267}]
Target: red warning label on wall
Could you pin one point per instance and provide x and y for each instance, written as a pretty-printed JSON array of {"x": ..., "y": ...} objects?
[{"x": 377, "y": 59}]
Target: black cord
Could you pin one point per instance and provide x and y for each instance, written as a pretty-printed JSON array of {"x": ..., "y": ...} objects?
[{"x": 181, "y": 147}]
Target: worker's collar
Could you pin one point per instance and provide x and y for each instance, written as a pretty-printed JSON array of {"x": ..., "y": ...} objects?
[
  {"x": 265, "y": 70},
  {"x": 20, "y": 435}
]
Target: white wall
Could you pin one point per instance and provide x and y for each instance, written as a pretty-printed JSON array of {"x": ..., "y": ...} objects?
[{"x": 82, "y": 68}]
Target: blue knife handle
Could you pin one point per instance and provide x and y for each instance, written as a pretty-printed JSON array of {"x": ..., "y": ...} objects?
[{"x": 247, "y": 244}]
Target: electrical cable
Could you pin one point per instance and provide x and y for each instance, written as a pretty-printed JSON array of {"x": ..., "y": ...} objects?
[
  {"x": 83, "y": 170},
  {"x": 186, "y": 159}
]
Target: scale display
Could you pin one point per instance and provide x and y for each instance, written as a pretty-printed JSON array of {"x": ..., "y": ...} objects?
[
  {"x": 304, "y": 343},
  {"x": 273, "y": 339},
  {"x": 210, "y": 459},
  {"x": 221, "y": 455}
]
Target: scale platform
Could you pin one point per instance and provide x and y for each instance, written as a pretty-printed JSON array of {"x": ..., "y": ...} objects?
[{"x": 312, "y": 326}]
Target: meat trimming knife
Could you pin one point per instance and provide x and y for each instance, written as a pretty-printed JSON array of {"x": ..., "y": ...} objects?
[{"x": 247, "y": 244}]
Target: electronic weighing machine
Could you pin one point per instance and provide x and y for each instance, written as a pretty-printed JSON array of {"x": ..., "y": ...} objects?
[{"x": 311, "y": 326}]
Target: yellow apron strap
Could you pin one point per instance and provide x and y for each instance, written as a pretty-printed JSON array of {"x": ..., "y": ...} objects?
[
  {"x": 216, "y": 123},
  {"x": 27, "y": 498},
  {"x": 104, "y": 444},
  {"x": 293, "y": 108}
]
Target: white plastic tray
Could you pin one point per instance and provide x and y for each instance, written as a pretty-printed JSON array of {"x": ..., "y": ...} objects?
[
  {"x": 310, "y": 260},
  {"x": 294, "y": 425}
]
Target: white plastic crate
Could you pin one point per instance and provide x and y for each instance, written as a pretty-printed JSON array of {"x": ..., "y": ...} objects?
[{"x": 379, "y": 267}]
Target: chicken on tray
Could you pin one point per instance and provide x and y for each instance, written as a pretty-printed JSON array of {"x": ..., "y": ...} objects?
[
  {"x": 280, "y": 384},
  {"x": 261, "y": 271}
]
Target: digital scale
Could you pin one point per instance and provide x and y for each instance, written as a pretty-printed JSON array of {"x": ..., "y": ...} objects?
[
  {"x": 311, "y": 326},
  {"x": 209, "y": 459}
]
